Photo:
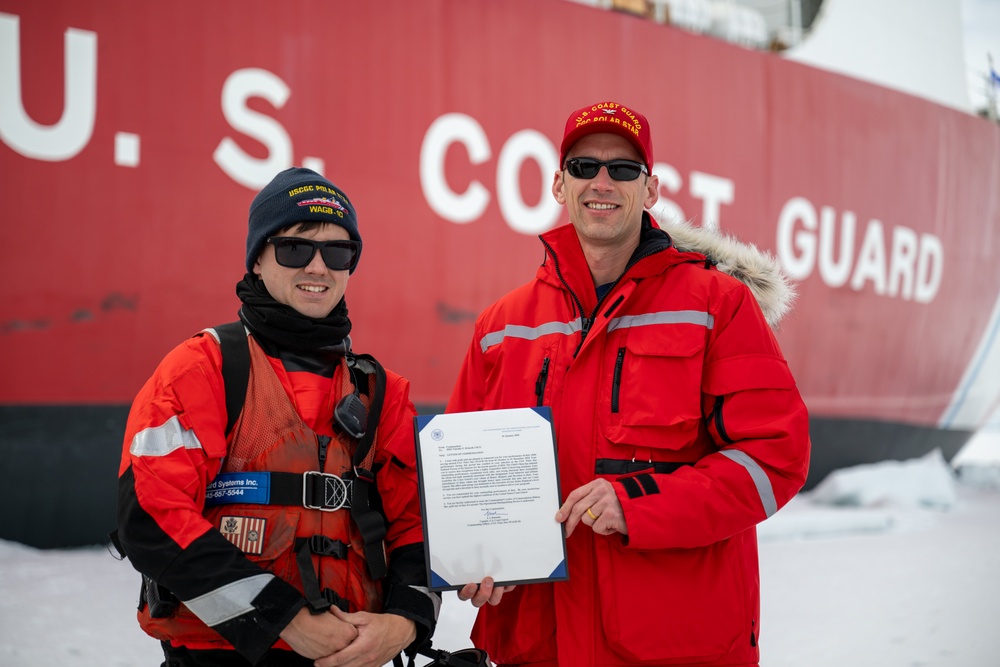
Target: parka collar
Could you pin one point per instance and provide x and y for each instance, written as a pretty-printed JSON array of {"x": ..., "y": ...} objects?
[{"x": 565, "y": 265}]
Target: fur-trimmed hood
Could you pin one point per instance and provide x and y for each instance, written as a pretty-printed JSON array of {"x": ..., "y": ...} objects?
[{"x": 757, "y": 269}]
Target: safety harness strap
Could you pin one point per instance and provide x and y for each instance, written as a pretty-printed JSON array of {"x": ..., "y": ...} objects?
[
  {"x": 235, "y": 368},
  {"x": 369, "y": 521},
  {"x": 370, "y": 524},
  {"x": 321, "y": 545},
  {"x": 312, "y": 490}
]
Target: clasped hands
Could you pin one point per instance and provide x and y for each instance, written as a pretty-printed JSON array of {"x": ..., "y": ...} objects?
[{"x": 339, "y": 639}]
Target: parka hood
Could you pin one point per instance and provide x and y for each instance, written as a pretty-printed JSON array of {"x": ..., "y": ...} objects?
[{"x": 757, "y": 269}]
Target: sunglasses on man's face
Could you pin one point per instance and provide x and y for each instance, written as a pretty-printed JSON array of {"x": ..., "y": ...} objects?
[
  {"x": 619, "y": 170},
  {"x": 296, "y": 253}
]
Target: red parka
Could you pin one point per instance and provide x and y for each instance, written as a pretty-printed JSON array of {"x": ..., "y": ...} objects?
[{"x": 673, "y": 388}]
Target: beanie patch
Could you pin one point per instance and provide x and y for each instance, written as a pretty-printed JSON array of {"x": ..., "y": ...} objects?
[{"x": 332, "y": 206}]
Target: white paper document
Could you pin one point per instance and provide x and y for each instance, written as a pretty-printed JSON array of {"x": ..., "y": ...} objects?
[{"x": 489, "y": 486}]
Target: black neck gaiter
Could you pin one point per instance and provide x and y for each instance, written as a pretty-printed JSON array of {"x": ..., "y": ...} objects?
[{"x": 283, "y": 325}]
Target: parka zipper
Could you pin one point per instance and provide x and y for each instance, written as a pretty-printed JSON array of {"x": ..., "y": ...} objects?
[
  {"x": 587, "y": 322},
  {"x": 543, "y": 377},
  {"x": 576, "y": 300},
  {"x": 617, "y": 381}
]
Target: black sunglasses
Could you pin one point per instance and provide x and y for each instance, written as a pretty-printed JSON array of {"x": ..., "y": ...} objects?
[
  {"x": 619, "y": 170},
  {"x": 295, "y": 253}
]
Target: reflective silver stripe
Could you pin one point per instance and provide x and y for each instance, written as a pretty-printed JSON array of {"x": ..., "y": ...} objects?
[
  {"x": 435, "y": 600},
  {"x": 229, "y": 601},
  {"x": 530, "y": 333},
  {"x": 163, "y": 439},
  {"x": 663, "y": 317},
  {"x": 759, "y": 478}
]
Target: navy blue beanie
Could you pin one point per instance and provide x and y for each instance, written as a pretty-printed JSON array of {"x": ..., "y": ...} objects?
[{"x": 296, "y": 195}]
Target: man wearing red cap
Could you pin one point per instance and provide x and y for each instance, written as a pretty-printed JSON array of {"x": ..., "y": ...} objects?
[{"x": 678, "y": 424}]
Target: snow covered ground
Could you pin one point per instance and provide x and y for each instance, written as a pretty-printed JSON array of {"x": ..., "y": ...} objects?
[{"x": 888, "y": 565}]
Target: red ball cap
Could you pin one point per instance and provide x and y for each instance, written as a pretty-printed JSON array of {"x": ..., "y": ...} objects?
[{"x": 609, "y": 117}]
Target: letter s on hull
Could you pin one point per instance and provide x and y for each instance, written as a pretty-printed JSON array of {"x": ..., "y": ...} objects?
[{"x": 242, "y": 168}]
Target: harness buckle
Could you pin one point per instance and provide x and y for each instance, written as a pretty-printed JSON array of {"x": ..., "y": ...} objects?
[
  {"x": 364, "y": 474},
  {"x": 321, "y": 545},
  {"x": 331, "y": 489}
]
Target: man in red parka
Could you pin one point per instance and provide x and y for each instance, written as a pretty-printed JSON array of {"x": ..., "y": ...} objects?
[
  {"x": 247, "y": 537},
  {"x": 678, "y": 424}
]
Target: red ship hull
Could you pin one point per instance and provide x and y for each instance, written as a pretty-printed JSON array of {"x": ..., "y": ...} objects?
[{"x": 135, "y": 135}]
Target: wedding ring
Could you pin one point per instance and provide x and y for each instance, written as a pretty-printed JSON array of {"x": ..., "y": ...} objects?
[{"x": 591, "y": 514}]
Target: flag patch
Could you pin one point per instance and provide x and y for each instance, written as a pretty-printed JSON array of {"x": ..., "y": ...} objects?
[{"x": 246, "y": 532}]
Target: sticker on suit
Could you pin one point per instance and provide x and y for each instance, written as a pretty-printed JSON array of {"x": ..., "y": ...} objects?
[{"x": 246, "y": 532}]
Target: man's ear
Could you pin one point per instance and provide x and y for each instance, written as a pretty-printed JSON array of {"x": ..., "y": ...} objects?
[
  {"x": 557, "y": 188},
  {"x": 256, "y": 266},
  {"x": 652, "y": 192}
]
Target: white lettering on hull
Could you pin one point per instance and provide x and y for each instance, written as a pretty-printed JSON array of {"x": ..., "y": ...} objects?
[
  {"x": 895, "y": 262},
  {"x": 66, "y": 138},
  {"x": 905, "y": 265},
  {"x": 471, "y": 203},
  {"x": 245, "y": 169}
]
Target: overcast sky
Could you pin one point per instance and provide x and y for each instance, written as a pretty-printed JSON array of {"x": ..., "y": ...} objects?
[{"x": 981, "y": 21}]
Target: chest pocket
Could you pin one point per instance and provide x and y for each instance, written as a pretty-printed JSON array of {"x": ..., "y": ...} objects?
[
  {"x": 651, "y": 386},
  {"x": 519, "y": 372}
]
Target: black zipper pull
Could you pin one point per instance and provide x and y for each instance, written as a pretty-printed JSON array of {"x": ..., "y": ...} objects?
[
  {"x": 617, "y": 381},
  {"x": 611, "y": 308},
  {"x": 324, "y": 444},
  {"x": 540, "y": 382},
  {"x": 584, "y": 329}
]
